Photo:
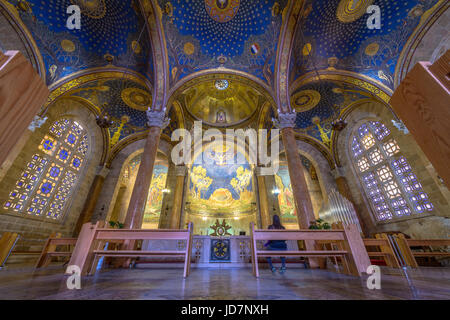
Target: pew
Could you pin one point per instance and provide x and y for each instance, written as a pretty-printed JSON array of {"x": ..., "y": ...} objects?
[
  {"x": 350, "y": 247},
  {"x": 409, "y": 256},
  {"x": 91, "y": 242},
  {"x": 50, "y": 250},
  {"x": 7, "y": 242},
  {"x": 384, "y": 250}
]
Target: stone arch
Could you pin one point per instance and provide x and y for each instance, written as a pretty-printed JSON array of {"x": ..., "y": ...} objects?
[
  {"x": 27, "y": 225},
  {"x": 117, "y": 166}
]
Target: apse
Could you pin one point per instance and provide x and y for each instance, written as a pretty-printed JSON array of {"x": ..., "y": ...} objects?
[{"x": 221, "y": 189}]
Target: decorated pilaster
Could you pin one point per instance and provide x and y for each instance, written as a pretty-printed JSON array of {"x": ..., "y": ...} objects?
[
  {"x": 175, "y": 217},
  {"x": 305, "y": 213},
  {"x": 92, "y": 198},
  {"x": 157, "y": 121}
]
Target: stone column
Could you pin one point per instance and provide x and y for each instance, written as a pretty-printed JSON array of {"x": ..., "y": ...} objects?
[
  {"x": 22, "y": 94},
  {"x": 157, "y": 120},
  {"x": 305, "y": 212},
  {"x": 263, "y": 202},
  {"x": 175, "y": 216},
  {"x": 91, "y": 201}
]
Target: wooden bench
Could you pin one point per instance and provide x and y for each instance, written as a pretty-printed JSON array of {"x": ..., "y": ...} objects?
[
  {"x": 7, "y": 242},
  {"x": 52, "y": 249},
  {"x": 348, "y": 240},
  {"x": 409, "y": 256},
  {"x": 384, "y": 250},
  {"x": 91, "y": 245}
]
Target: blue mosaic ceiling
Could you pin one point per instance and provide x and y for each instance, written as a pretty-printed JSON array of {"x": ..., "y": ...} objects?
[
  {"x": 108, "y": 27},
  {"x": 343, "y": 35},
  {"x": 318, "y": 104},
  {"x": 236, "y": 34},
  {"x": 125, "y": 101}
]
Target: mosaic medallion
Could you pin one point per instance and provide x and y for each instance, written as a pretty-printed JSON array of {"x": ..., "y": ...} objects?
[
  {"x": 67, "y": 45},
  {"x": 222, "y": 10},
  {"x": 137, "y": 98},
  {"x": 372, "y": 49},
  {"x": 305, "y": 100},
  {"x": 95, "y": 9},
  {"x": 221, "y": 84},
  {"x": 351, "y": 10}
]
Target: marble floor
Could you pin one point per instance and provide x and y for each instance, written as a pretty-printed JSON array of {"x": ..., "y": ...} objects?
[{"x": 234, "y": 284}]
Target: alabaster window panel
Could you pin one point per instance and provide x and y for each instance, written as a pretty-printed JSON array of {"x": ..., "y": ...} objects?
[
  {"x": 388, "y": 180},
  {"x": 50, "y": 177}
]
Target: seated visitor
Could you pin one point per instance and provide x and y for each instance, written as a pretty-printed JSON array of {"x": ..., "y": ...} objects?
[{"x": 277, "y": 245}]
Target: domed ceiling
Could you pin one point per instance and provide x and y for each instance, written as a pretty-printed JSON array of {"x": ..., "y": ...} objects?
[
  {"x": 318, "y": 104},
  {"x": 221, "y": 102},
  {"x": 334, "y": 33},
  {"x": 126, "y": 102},
  {"x": 108, "y": 36},
  {"x": 236, "y": 34}
]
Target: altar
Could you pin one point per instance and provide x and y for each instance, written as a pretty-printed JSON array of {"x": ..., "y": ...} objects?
[{"x": 208, "y": 252}]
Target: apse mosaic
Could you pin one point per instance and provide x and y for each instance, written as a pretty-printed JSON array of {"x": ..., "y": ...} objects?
[
  {"x": 335, "y": 34},
  {"x": 109, "y": 35},
  {"x": 220, "y": 189},
  {"x": 237, "y": 34},
  {"x": 391, "y": 186},
  {"x": 50, "y": 177}
]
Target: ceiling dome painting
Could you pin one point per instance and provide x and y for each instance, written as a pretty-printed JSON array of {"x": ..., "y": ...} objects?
[
  {"x": 221, "y": 102},
  {"x": 235, "y": 34},
  {"x": 109, "y": 35},
  {"x": 334, "y": 34}
]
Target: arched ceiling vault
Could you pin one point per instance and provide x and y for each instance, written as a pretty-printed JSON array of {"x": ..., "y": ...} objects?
[
  {"x": 112, "y": 34},
  {"x": 238, "y": 35},
  {"x": 335, "y": 34},
  {"x": 284, "y": 55},
  {"x": 156, "y": 34}
]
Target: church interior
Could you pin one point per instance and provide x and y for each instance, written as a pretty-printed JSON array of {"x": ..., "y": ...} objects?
[{"x": 348, "y": 98}]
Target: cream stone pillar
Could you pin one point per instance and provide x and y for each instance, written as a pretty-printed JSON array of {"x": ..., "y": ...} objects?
[
  {"x": 263, "y": 202},
  {"x": 157, "y": 121},
  {"x": 91, "y": 201},
  {"x": 22, "y": 94},
  {"x": 305, "y": 212},
  {"x": 175, "y": 216}
]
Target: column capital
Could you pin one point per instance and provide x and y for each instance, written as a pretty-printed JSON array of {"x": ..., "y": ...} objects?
[
  {"x": 285, "y": 120},
  {"x": 338, "y": 172},
  {"x": 157, "y": 118},
  {"x": 102, "y": 171},
  {"x": 180, "y": 171},
  {"x": 262, "y": 172}
]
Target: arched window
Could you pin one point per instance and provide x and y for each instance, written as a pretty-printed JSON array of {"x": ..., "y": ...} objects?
[
  {"x": 389, "y": 182},
  {"x": 49, "y": 179}
]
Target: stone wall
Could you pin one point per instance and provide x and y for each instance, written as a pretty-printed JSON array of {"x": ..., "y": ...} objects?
[
  {"x": 34, "y": 231},
  {"x": 427, "y": 225}
]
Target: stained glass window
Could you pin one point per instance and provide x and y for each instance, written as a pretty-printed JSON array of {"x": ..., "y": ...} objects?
[
  {"x": 388, "y": 180},
  {"x": 51, "y": 175}
]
